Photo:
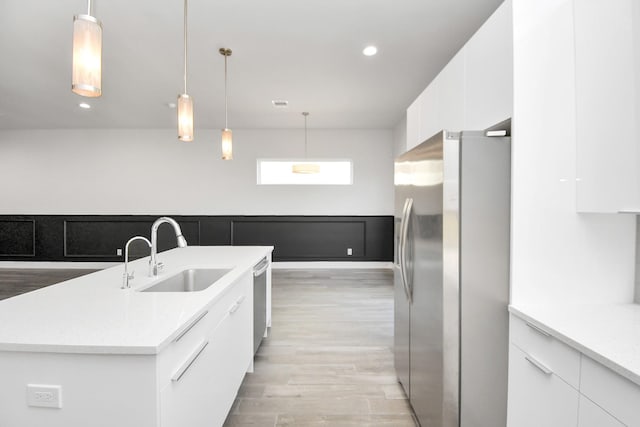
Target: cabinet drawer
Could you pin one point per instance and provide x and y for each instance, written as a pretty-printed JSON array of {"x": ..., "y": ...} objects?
[
  {"x": 591, "y": 415},
  {"x": 538, "y": 398},
  {"x": 196, "y": 331},
  {"x": 554, "y": 355},
  {"x": 202, "y": 390},
  {"x": 614, "y": 393}
]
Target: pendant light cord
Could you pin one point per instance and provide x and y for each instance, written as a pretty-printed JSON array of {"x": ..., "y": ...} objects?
[
  {"x": 89, "y": 7},
  {"x": 226, "y": 126},
  {"x": 305, "y": 114},
  {"x": 185, "y": 46}
]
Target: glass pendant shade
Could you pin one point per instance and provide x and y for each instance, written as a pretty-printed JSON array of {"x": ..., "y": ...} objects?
[
  {"x": 185, "y": 118},
  {"x": 227, "y": 144},
  {"x": 86, "y": 76},
  {"x": 227, "y": 138},
  {"x": 305, "y": 168}
]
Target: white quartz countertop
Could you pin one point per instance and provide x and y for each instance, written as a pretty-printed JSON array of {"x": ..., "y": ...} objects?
[
  {"x": 92, "y": 314},
  {"x": 609, "y": 334}
]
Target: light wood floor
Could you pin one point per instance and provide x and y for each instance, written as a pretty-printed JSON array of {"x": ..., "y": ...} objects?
[
  {"x": 20, "y": 280},
  {"x": 329, "y": 358}
]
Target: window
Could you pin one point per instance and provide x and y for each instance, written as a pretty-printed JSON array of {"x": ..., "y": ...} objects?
[{"x": 280, "y": 172}]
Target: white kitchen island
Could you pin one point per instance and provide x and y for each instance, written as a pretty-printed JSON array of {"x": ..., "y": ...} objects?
[{"x": 121, "y": 357}]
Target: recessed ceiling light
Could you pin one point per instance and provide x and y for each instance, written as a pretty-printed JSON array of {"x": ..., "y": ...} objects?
[
  {"x": 84, "y": 105},
  {"x": 171, "y": 104},
  {"x": 370, "y": 50},
  {"x": 280, "y": 103}
]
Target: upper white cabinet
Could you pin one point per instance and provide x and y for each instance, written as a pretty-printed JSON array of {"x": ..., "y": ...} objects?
[
  {"x": 488, "y": 78},
  {"x": 442, "y": 102},
  {"x": 429, "y": 118},
  {"x": 607, "y": 46},
  {"x": 474, "y": 90}
]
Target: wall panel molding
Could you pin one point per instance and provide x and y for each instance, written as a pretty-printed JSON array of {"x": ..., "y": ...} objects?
[
  {"x": 17, "y": 237},
  {"x": 101, "y": 238}
]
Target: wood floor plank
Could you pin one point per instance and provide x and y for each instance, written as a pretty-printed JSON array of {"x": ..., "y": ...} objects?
[
  {"x": 329, "y": 358},
  {"x": 16, "y": 281}
]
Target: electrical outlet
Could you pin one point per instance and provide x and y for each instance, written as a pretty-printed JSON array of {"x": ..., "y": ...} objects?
[
  {"x": 44, "y": 396},
  {"x": 119, "y": 251},
  {"x": 349, "y": 251}
]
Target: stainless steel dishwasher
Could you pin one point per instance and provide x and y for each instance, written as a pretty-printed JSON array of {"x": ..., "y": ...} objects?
[{"x": 259, "y": 302}]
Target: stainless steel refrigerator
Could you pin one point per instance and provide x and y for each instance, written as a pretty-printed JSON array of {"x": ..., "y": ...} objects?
[{"x": 452, "y": 204}]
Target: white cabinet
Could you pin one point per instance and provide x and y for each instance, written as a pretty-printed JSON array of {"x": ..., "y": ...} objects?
[
  {"x": 442, "y": 102},
  {"x": 440, "y": 106},
  {"x": 537, "y": 396},
  {"x": 543, "y": 379},
  {"x": 488, "y": 77},
  {"x": 591, "y": 415},
  {"x": 552, "y": 384},
  {"x": 474, "y": 90},
  {"x": 615, "y": 394},
  {"x": 429, "y": 118},
  {"x": 607, "y": 36},
  {"x": 450, "y": 98},
  {"x": 200, "y": 386}
]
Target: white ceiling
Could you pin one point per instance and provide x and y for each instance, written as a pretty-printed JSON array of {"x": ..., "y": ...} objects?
[{"x": 305, "y": 51}]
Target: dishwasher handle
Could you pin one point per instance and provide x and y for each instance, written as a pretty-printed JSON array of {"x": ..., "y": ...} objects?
[{"x": 261, "y": 267}]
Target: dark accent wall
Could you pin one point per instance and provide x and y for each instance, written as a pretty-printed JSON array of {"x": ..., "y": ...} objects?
[{"x": 99, "y": 237}]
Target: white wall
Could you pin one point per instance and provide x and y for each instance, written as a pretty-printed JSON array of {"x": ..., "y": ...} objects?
[
  {"x": 151, "y": 172},
  {"x": 400, "y": 137},
  {"x": 558, "y": 255}
]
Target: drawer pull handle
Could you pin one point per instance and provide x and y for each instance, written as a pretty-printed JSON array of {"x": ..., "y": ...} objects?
[
  {"x": 185, "y": 367},
  {"x": 538, "y": 330},
  {"x": 191, "y": 325},
  {"x": 538, "y": 365},
  {"x": 236, "y": 305},
  {"x": 261, "y": 267}
]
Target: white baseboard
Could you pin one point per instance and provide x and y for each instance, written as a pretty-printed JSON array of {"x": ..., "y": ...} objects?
[
  {"x": 57, "y": 264},
  {"x": 310, "y": 265}
]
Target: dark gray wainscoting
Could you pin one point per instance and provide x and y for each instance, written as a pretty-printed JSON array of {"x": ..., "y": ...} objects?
[{"x": 101, "y": 237}]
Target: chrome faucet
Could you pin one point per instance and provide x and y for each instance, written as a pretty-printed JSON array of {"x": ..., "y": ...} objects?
[
  {"x": 126, "y": 277},
  {"x": 154, "y": 265}
]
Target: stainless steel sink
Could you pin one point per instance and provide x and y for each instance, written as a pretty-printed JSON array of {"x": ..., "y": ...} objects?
[{"x": 191, "y": 280}]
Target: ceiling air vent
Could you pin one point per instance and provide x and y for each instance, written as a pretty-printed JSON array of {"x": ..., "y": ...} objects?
[{"x": 280, "y": 103}]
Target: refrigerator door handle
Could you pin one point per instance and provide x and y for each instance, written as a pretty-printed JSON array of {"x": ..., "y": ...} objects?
[
  {"x": 403, "y": 222},
  {"x": 403, "y": 260},
  {"x": 400, "y": 233}
]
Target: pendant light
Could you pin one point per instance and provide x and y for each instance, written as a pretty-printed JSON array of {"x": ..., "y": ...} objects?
[
  {"x": 185, "y": 102},
  {"x": 305, "y": 168},
  {"x": 227, "y": 140},
  {"x": 86, "y": 69}
]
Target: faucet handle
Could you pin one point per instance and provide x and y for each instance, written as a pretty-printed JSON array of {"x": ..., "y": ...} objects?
[
  {"x": 155, "y": 269},
  {"x": 125, "y": 279}
]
